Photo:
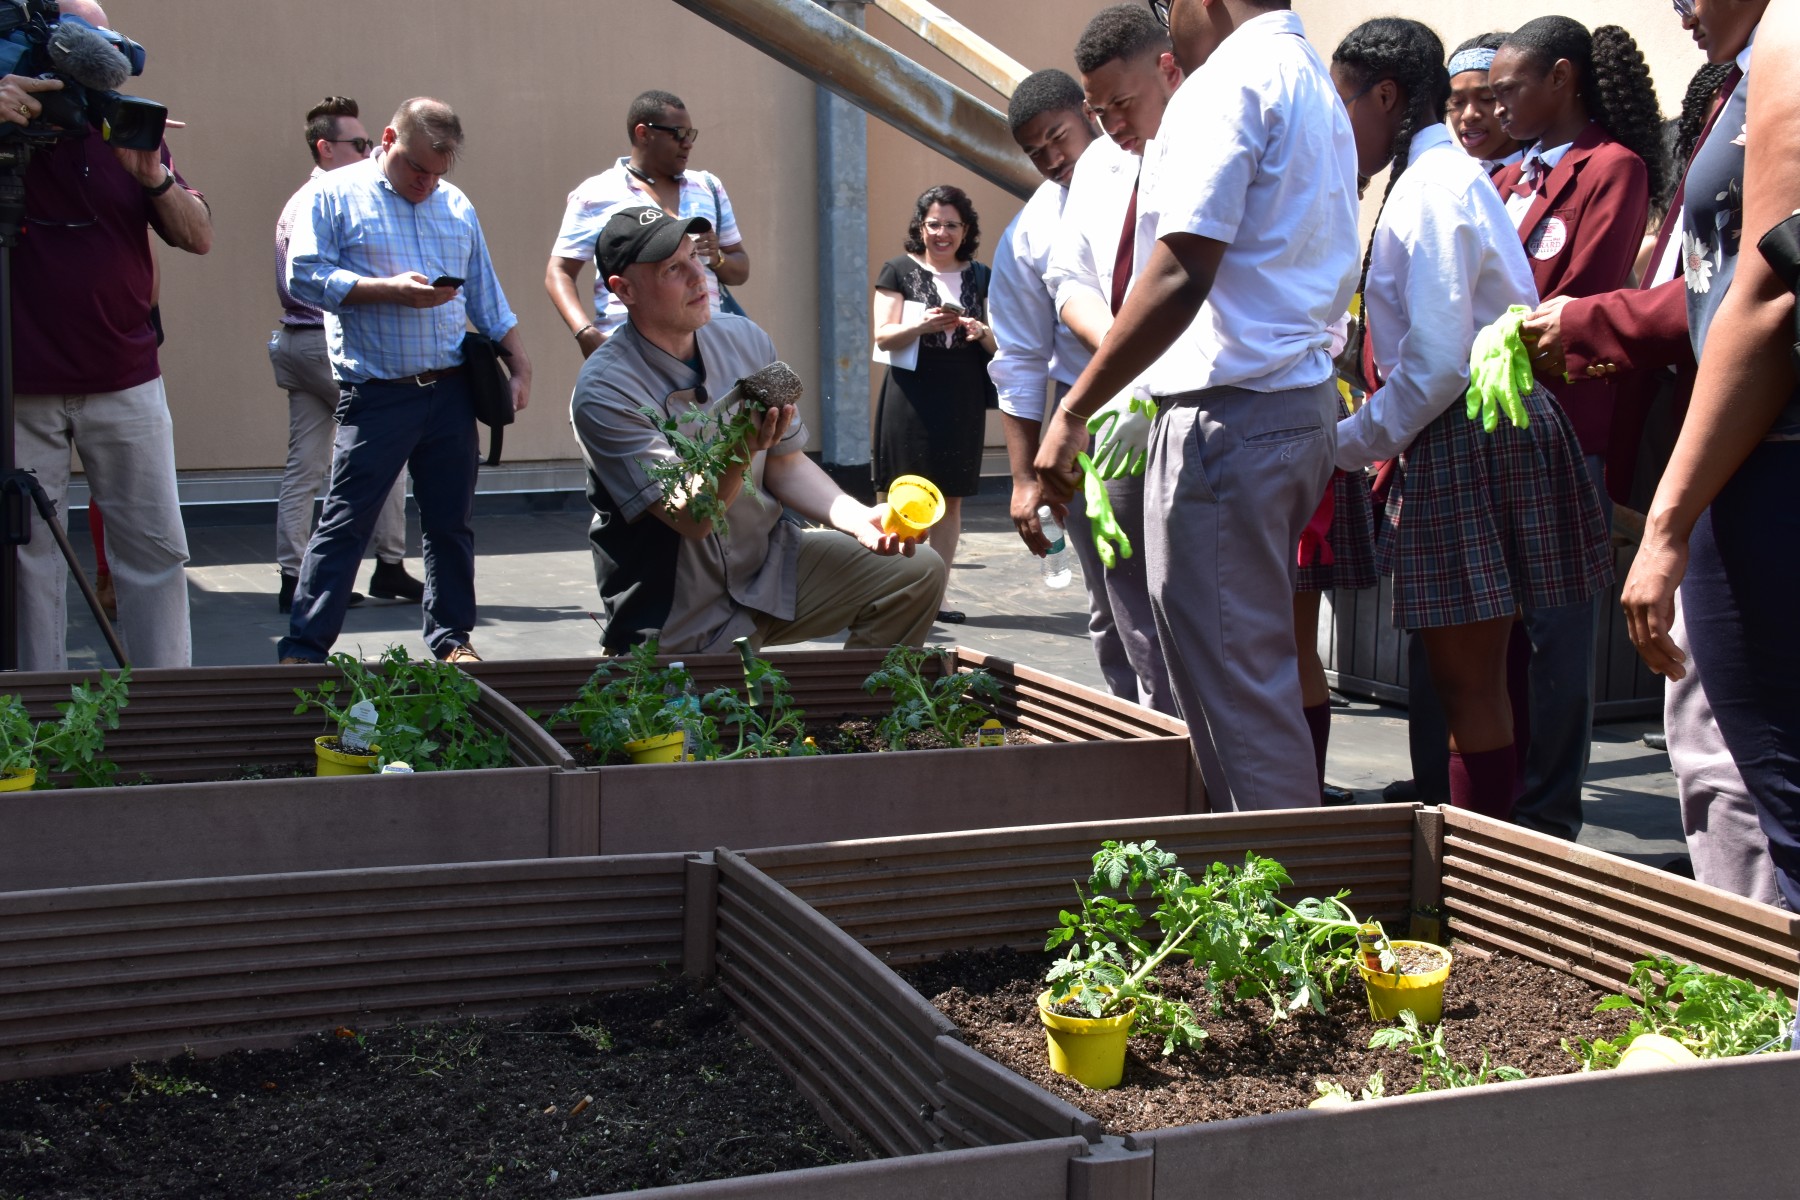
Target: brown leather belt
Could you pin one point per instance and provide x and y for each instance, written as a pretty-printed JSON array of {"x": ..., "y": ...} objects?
[{"x": 423, "y": 378}]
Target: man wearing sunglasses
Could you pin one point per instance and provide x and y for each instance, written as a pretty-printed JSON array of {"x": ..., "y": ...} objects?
[
  {"x": 336, "y": 138},
  {"x": 654, "y": 173}
]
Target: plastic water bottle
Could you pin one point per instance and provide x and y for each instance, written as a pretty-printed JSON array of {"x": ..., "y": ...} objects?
[{"x": 1057, "y": 571}]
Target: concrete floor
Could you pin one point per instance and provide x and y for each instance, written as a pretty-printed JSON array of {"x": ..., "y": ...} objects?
[{"x": 536, "y": 586}]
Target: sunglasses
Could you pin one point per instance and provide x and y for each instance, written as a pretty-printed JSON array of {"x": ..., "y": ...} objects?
[
  {"x": 362, "y": 145},
  {"x": 1160, "y": 10},
  {"x": 685, "y": 137},
  {"x": 1684, "y": 9}
]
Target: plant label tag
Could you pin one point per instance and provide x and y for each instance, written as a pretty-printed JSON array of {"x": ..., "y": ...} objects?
[
  {"x": 359, "y": 727},
  {"x": 992, "y": 733}
]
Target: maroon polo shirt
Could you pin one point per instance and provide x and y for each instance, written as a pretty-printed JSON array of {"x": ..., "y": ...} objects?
[{"x": 82, "y": 274}]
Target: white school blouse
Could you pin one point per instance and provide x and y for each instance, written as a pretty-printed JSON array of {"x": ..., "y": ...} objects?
[
  {"x": 1034, "y": 346},
  {"x": 1255, "y": 151},
  {"x": 1447, "y": 262},
  {"x": 1087, "y": 242}
]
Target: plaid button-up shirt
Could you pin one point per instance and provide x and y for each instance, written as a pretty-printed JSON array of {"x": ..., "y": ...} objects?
[{"x": 358, "y": 227}]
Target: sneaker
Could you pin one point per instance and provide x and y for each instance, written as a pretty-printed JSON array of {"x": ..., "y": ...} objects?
[
  {"x": 391, "y": 582},
  {"x": 462, "y": 652}
]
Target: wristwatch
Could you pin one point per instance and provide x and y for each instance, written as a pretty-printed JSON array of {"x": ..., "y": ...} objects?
[{"x": 167, "y": 183}]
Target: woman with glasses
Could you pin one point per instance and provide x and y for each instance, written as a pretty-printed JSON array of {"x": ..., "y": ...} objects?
[{"x": 930, "y": 321}]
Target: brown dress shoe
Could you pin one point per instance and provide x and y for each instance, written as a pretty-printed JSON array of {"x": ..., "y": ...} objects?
[
  {"x": 298, "y": 662},
  {"x": 462, "y": 653}
]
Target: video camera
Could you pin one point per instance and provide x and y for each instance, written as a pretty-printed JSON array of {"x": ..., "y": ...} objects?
[{"x": 37, "y": 39}]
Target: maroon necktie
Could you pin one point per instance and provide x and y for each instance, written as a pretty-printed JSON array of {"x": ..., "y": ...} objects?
[
  {"x": 1122, "y": 259},
  {"x": 1726, "y": 87}
]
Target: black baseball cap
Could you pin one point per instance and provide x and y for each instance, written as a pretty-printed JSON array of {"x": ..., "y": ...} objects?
[{"x": 643, "y": 234}]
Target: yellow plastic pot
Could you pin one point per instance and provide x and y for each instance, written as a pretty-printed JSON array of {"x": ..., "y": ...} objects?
[
  {"x": 337, "y": 762},
  {"x": 668, "y": 747},
  {"x": 1649, "y": 1050},
  {"x": 18, "y": 779},
  {"x": 1422, "y": 995},
  {"x": 1088, "y": 1050},
  {"x": 914, "y": 505}
]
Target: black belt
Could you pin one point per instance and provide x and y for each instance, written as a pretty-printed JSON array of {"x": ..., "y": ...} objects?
[
  {"x": 423, "y": 378},
  {"x": 297, "y": 326}
]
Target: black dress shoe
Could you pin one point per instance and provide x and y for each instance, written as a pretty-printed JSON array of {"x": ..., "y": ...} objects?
[
  {"x": 1656, "y": 739},
  {"x": 391, "y": 582}
]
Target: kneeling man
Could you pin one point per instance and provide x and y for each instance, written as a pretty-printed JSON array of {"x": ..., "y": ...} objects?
[{"x": 662, "y": 571}]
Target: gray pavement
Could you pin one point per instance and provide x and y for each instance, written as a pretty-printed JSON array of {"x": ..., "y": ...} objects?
[{"x": 536, "y": 585}]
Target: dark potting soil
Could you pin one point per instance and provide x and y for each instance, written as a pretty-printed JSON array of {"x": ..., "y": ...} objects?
[
  {"x": 673, "y": 1094},
  {"x": 1517, "y": 1010}
]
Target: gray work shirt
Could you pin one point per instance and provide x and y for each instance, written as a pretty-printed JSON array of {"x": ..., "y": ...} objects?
[{"x": 697, "y": 594}]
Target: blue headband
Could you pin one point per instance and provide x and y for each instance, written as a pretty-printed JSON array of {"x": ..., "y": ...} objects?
[{"x": 1476, "y": 59}]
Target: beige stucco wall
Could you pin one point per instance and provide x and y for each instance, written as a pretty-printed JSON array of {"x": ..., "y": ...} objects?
[{"x": 542, "y": 90}]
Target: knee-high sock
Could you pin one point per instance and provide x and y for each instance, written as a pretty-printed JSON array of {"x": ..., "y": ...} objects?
[
  {"x": 1318, "y": 722},
  {"x": 1485, "y": 781},
  {"x": 1518, "y": 692}
]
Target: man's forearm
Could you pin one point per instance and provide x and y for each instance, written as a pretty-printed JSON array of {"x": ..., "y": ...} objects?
[
  {"x": 1163, "y": 302},
  {"x": 185, "y": 222},
  {"x": 1022, "y": 437}
]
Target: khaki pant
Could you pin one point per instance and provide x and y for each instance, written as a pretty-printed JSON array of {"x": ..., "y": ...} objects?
[
  {"x": 127, "y": 444},
  {"x": 883, "y": 600},
  {"x": 303, "y": 370}
]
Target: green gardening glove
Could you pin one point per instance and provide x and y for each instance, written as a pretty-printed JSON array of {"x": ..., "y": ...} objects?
[
  {"x": 1121, "y": 432},
  {"x": 1100, "y": 516},
  {"x": 1500, "y": 373}
]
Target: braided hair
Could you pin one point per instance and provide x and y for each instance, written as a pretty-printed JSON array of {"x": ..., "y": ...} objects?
[
  {"x": 1696, "y": 106},
  {"x": 1614, "y": 80},
  {"x": 1411, "y": 55}
]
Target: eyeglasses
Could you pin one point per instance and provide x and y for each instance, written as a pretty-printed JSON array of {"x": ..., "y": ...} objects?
[
  {"x": 943, "y": 227},
  {"x": 1684, "y": 9},
  {"x": 1160, "y": 10},
  {"x": 362, "y": 145},
  {"x": 683, "y": 136}
]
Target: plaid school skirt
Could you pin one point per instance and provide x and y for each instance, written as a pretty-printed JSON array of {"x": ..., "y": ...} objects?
[
  {"x": 1351, "y": 538},
  {"x": 1480, "y": 525}
]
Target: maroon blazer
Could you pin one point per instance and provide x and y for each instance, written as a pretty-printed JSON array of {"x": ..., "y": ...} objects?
[
  {"x": 1640, "y": 332},
  {"x": 1582, "y": 234}
]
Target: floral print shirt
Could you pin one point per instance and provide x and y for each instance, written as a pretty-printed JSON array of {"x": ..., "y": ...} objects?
[{"x": 1712, "y": 217}]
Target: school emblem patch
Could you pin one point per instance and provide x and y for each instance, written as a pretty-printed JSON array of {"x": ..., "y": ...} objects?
[{"x": 1548, "y": 239}]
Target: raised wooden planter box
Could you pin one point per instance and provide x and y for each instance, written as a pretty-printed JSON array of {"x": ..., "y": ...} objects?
[
  {"x": 95, "y": 977},
  {"x": 188, "y": 727},
  {"x": 905, "y": 900},
  {"x": 1095, "y": 757}
]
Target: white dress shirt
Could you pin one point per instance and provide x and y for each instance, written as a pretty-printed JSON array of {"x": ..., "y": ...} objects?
[
  {"x": 1447, "y": 262},
  {"x": 1034, "y": 346},
  {"x": 1255, "y": 151},
  {"x": 1087, "y": 243},
  {"x": 1519, "y": 203}
]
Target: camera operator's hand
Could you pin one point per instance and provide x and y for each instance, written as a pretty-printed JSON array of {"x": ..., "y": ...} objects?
[
  {"x": 146, "y": 166},
  {"x": 16, "y": 102}
]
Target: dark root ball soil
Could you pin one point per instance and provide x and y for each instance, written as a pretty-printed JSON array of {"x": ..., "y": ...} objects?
[
  {"x": 483, "y": 1108},
  {"x": 1517, "y": 1010}
]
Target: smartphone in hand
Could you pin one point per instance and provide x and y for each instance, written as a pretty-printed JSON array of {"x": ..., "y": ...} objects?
[
  {"x": 449, "y": 281},
  {"x": 954, "y": 309}
]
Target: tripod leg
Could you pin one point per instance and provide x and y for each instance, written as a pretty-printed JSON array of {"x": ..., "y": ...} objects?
[{"x": 47, "y": 510}]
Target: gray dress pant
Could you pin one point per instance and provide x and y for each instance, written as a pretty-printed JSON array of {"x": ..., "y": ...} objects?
[
  {"x": 1121, "y": 625},
  {"x": 1724, "y": 835},
  {"x": 1234, "y": 476}
]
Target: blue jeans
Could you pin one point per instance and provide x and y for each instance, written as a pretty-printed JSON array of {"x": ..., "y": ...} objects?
[
  {"x": 383, "y": 427},
  {"x": 1738, "y": 602}
]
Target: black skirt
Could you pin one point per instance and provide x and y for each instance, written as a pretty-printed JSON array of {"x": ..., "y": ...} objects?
[{"x": 933, "y": 421}]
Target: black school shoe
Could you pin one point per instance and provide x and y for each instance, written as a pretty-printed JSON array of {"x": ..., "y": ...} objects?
[{"x": 391, "y": 582}]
